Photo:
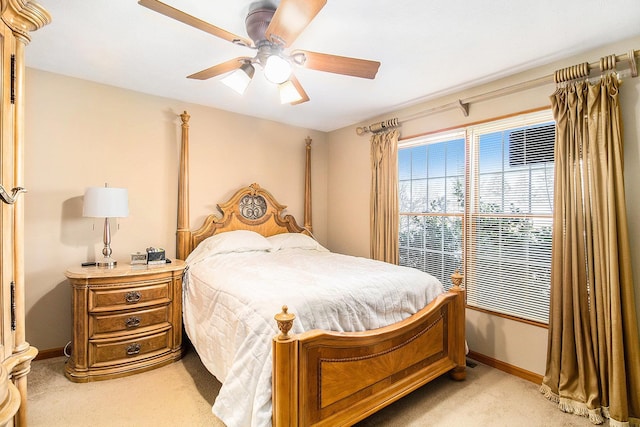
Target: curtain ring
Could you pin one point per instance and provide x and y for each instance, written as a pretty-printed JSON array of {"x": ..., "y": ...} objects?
[
  {"x": 571, "y": 73},
  {"x": 607, "y": 63}
]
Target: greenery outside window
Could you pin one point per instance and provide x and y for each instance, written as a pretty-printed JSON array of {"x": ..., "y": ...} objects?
[
  {"x": 481, "y": 199},
  {"x": 431, "y": 192}
]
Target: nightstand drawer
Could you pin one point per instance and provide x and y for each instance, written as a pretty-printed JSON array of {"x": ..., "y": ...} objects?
[
  {"x": 127, "y": 322},
  {"x": 107, "y": 352},
  {"x": 134, "y": 296}
]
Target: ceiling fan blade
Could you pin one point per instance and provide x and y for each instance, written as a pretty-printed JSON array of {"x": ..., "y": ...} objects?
[
  {"x": 338, "y": 64},
  {"x": 222, "y": 68},
  {"x": 300, "y": 90},
  {"x": 291, "y": 18},
  {"x": 185, "y": 18}
]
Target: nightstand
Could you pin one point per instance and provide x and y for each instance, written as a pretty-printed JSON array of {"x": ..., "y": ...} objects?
[{"x": 126, "y": 319}]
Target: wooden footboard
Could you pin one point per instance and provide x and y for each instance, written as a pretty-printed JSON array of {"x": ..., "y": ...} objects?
[{"x": 327, "y": 378}]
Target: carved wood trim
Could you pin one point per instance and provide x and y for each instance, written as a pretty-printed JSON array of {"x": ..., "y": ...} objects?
[
  {"x": 23, "y": 17},
  {"x": 271, "y": 221}
]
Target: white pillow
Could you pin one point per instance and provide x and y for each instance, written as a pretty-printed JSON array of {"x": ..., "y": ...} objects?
[
  {"x": 229, "y": 242},
  {"x": 235, "y": 241},
  {"x": 294, "y": 241}
]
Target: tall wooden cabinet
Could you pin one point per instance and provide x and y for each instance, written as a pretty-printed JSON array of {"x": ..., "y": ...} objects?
[{"x": 19, "y": 18}]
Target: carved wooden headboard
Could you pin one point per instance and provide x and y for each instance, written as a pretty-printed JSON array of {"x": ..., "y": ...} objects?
[{"x": 251, "y": 208}]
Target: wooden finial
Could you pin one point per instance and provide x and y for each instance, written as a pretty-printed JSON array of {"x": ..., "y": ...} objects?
[
  {"x": 456, "y": 279},
  {"x": 185, "y": 118},
  {"x": 285, "y": 322}
]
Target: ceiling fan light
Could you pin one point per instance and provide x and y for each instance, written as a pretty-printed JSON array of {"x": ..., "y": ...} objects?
[
  {"x": 239, "y": 80},
  {"x": 277, "y": 69},
  {"x": 288, "y": 93}
]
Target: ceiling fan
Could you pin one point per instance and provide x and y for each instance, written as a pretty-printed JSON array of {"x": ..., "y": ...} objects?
[{"x": 271, "y": 30}]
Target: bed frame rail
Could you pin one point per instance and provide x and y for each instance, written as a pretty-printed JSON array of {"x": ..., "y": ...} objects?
[{"x": 333, "y": 379}]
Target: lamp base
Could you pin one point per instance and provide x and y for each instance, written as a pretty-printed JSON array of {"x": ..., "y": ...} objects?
[{"x": 106, "y": 262}]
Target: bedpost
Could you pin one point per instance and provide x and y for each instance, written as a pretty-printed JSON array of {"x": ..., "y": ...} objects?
[
  {"x": 459, "y": 373},
  {"x": 183, "y": 239},
  {"x": 285, "y": 373},
  {"x": 307, "y": 188}
]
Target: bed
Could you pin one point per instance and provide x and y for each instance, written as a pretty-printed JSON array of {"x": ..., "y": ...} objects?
[{"x": 310, "y": 375}]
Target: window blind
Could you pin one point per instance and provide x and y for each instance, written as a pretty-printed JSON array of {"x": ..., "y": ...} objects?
[
  {"x": 432, "y": 193},
  {"x": 509, "y": 218}
]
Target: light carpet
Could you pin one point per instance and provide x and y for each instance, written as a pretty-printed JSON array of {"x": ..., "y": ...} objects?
[{"x": 181, "y": 394}]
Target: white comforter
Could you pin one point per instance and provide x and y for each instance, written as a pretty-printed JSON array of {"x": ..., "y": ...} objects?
[{"x": 230, "y": 299}]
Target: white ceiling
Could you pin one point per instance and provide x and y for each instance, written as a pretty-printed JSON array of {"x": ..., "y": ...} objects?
[{"x": 426, "y": 47}]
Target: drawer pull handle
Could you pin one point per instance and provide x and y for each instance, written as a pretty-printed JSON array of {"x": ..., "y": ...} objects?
[
  {"x": 132, "y": 322},
  {"x": 133, "y": 296},
  {"x": 133, "y": 349}
]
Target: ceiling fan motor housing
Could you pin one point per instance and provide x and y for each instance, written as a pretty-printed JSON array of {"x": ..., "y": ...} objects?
[{"x": 258, "y": 20}]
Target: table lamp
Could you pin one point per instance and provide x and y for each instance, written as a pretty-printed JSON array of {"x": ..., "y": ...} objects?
[{"x": 106, "y": 202}]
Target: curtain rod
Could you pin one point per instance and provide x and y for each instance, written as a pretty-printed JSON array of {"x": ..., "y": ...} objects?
[{"x": 576, "y": 71}]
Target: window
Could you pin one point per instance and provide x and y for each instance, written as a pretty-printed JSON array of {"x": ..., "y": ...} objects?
[
  {"x": 491, "y": 214},
  {"x": 431, "y": 192}
]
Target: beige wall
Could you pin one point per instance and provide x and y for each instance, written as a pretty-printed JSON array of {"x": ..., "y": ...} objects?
[
  {"x": 81, "y": 134},
  {"x": 509, "y": 341}
]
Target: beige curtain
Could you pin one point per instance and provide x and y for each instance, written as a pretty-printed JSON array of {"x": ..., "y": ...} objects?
[
  {"x": 384, "y": 196},
  {"x": 593, "y": 356}
]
